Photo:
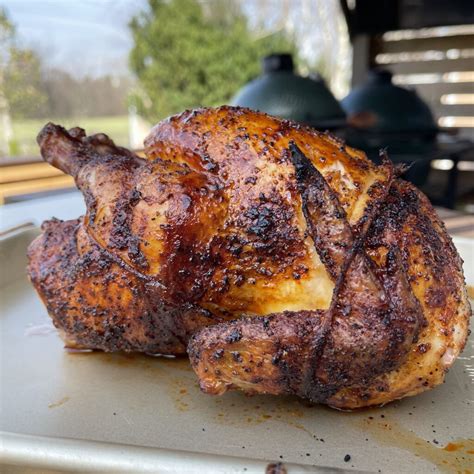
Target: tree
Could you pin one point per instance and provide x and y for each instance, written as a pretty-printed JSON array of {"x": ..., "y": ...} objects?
[
  {"x": 188, "y": 55},
  {"x": 23, "y": 84},
  {"x": 70, "y": 96},
  {"x": 6, "y": 30},
  {"x": 20, "y": 74}
]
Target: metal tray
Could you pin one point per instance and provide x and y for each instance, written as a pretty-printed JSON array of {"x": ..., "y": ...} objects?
[{"x": 132, "y": 413}]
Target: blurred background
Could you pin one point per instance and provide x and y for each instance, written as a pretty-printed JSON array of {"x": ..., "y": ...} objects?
[{"x": 394, "y": 74}]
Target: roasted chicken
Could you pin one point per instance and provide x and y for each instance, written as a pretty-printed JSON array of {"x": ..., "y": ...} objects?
[{"x": 283, "y": 261}]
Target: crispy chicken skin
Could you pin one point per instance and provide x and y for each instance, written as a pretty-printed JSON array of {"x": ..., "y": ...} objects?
[{"x": 283, "y": 261}]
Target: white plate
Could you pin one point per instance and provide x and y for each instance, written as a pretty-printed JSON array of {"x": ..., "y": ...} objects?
[{"x": 118, "y": 413}]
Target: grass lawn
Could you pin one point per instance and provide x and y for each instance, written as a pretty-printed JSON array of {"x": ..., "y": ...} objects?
[{"x": 25, "y": 131}]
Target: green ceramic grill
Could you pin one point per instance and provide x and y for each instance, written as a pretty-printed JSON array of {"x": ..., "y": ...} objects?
[{"x": 281, "y": 92}]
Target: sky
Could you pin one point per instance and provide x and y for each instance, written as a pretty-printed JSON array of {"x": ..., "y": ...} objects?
[{"x": 84, "y": 37}]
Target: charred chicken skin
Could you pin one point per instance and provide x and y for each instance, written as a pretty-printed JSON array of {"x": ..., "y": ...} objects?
[{"x": 281, "y": 260}]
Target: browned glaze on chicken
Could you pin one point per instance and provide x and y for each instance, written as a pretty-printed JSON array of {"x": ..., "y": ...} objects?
[{"x": 289, "y": 261}]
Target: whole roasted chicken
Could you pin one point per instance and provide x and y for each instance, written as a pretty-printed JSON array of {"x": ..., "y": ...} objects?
[{"x": 281, "y": 260}]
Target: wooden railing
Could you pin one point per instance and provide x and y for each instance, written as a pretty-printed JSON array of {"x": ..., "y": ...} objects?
[
  {"x": 439, "y": 64},
  {"x": 19, "y": 177}
]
